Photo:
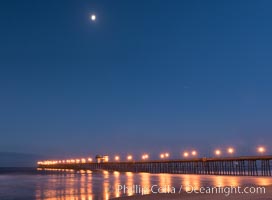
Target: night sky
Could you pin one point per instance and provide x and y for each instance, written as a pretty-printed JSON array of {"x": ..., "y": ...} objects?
[{"x": 146, "y": 76}]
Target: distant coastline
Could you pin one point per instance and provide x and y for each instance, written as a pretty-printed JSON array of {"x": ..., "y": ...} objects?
[{"x": 14, "y": 159}]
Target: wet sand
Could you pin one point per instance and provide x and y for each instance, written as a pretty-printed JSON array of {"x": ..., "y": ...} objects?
[{"x": 194, "y": 196}]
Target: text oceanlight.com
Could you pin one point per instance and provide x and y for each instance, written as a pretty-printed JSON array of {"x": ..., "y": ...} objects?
[{"x": 156, "y": 189}]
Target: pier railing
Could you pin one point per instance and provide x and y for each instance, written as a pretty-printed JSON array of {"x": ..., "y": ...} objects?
[{"x": 236, "y": 166}]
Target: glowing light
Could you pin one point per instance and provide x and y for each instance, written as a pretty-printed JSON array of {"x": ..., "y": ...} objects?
[
  {"x": 90, "y": 159},
  {"x": 230, "y": 150},
  {"x": 129, "y": 157},
  {"x": 116, "y": 158},
  {"x": 145, "y": 156},
  {"x": 194, "y": 153},
  {"x": 93, "y": 17},
  {"x": 164, "y": 155},
  {"x": 116, "y": 173},
  {"x": 261, "y": 149},
  {"x": 83, "y": 160},
  {"x": 105, "y": 172},
  {"x": 106, "y": 158},
  {"x": 186, "y": 154},
  {"x": 217, "y": 152}
]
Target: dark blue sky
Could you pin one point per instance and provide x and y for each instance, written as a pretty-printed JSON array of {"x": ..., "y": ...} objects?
[{"x": 147, "y": 76}]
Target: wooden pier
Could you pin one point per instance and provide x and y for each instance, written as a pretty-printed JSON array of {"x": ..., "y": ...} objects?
[{"x": 234, "y": 166}]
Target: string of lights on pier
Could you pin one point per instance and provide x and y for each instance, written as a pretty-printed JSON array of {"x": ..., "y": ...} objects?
[{"x": 144, "y": 157}]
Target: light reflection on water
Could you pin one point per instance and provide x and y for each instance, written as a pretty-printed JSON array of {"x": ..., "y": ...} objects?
[
  {"x": 87, "y": 185},
  {"x": 145, "y": 182},
  {"x": 129, "y": 181}
]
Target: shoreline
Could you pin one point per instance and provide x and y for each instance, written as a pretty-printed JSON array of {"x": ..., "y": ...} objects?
[{"x": 267, "y": 195}]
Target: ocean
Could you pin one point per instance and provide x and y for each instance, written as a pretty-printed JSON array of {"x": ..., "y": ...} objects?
[{"x": 37, "y": 184}]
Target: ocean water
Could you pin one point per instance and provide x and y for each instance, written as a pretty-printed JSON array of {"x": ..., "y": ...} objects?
[{"x": 34, "y": 184}]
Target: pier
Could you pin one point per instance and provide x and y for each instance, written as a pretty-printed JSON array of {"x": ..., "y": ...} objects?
[{"x": 233, "y": 166}]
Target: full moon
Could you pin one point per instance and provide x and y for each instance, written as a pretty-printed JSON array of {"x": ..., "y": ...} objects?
[{"x": 93, "y": 17}]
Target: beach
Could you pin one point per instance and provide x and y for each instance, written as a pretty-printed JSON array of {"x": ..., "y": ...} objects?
[{"x": 267, "y": 195}]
